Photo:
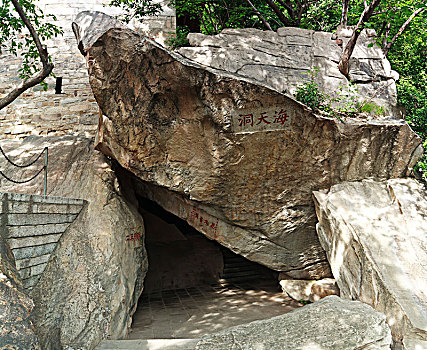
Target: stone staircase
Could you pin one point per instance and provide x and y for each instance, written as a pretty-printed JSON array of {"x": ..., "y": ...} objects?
[
  {"x": 33, "y": 225},
  {"x": 238, "y": 269}
]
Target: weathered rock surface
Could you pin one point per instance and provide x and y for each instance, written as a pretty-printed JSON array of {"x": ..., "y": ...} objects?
[
  {"x": 93, "y": 279},
  {"x": 374, "y": 235},
  {"x": 238, "y": 159},
  {"x": 16, "y": 327},
  {"x": 308, "y": 290},
  {"x": 331, "y": 323},
  {"x": 282, "y": 59}
]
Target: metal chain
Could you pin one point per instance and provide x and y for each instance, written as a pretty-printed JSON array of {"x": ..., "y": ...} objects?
[
  {"x": 21, "y": 182},
  {"x": 22, "y": 166},
  {"x": 45, "y": 151}
]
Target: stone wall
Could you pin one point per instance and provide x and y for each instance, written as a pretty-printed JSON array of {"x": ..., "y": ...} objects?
[
  {"x": 284, "y": 59},
  {"x": 74, "y": 110},
  {"x": 33, "y": 225}
]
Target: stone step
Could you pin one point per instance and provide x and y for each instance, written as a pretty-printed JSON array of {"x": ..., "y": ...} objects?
[
  {"x": 33, "y": 225},
  {"x": 36, "y": 230},
  {"x": 23, "y": 197},
  {"x": 53, "y": 208},
  {"x": 148, "y": 344},
  {"x": 39, "y": 219}
]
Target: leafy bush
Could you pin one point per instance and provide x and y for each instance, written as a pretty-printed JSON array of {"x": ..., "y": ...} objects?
[
  {"x": 372, "y": 109},
  {"x": 180, "y": 39},
  {"x": 309, "y": 92},
  {"x": 342, "y": 102}
]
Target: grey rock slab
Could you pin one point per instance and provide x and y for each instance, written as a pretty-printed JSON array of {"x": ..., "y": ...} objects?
[
  {"x": 374, "y": 236},
  {"x": 148, "y": 344},
  {"x": 325, "y": 46},
  {"x": 241, "y": 155},
  {"x": 331, "y": 323},
  {"x": 297, "y": 36}
]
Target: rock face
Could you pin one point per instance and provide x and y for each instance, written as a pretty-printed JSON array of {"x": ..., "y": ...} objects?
[
  {"x": 282, "y": 59},
  {"x": 374, "y": 235},
  {"x": 238, "y": 159},
  {"x": 16, "y": 328},
  {"x": 94, "y": 277},
  {"x": 331, "y": 323}
]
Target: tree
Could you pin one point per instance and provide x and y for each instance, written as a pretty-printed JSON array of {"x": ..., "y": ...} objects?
[{"x": 16, "y": 16}]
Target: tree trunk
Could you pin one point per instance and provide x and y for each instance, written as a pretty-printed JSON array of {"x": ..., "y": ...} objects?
[
  {"x": 260, "y": 16},
  {"x": 344, "y": 12},
  {"x": 348, "y": 51},
  {"x": 279, "y": 13},
  {"x": 44, "y": 57}
]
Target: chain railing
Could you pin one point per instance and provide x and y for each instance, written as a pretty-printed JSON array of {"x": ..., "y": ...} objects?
[{"x": 45, "y": 151}]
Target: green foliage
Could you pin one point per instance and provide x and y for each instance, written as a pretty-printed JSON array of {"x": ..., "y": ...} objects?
[
  {"x": 342, "y": 102},
  {"x": 309, "y": 92},
  {"x": 372, "y": 108},
  {"x": 214, "y": 16},
  {"x": 137, "y": 9},
  {"x": 180, "y": 39},
  {"x": 15, "y": 38},
  {"x": 408, "y": 57}
]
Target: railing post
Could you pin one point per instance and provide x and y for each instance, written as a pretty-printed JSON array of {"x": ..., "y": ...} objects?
[{"x": 46, "y": 158}]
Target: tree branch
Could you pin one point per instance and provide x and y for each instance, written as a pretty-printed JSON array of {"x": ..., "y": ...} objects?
[
  {"x": 348, "y": 51},
  {"x": 44, "y": 58},
  {"x": 387, "y": 45},
  {"x": 288, "y": 6},
  {"x": 387, "y": 29},
  {"x": 279, "y": 13},
  {"x": 261, "y": 17},
  {"x": 344, "y": 12}
]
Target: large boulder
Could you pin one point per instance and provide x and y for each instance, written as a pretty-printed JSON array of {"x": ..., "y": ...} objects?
[
  {"x": 374, "y": 236},
  {"x": 93, "y": 279},
  {"x": 241, "y": 158},
  {"x": 16, "y": 327},
  {"x": 331, "y": 323}
]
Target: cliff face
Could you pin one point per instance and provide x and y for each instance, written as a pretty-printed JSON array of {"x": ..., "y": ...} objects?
[{"x": 235, "y": 158}]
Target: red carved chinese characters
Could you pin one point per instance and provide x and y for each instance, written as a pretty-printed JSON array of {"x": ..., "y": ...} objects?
[
  {"x": 133, "y": 237},
  {"x": 252, "y": 120},
  {"x": 281, "y": 117},
  {"x": 247, "y": 119},
  {"x": 263, "y": 118}
]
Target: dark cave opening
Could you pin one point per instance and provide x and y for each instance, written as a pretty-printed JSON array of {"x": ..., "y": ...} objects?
[{"x": 179, "y": 256}]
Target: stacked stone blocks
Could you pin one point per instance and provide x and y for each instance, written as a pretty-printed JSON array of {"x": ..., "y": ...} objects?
[
  {"x": 74, "y": 110},
  {"x": 32, "y": 225}
]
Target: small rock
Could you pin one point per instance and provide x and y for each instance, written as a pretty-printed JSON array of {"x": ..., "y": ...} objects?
[{"x": 308, "y": 290}]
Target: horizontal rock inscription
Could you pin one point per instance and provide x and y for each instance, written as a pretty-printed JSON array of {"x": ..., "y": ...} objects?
[{"x": 260, "y": 119}]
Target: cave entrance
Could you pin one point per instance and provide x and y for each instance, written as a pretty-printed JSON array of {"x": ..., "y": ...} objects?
[{"x": 194, "y": 286}]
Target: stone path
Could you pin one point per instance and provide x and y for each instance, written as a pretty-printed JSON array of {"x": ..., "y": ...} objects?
[{"x": 193, "y": 312}]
